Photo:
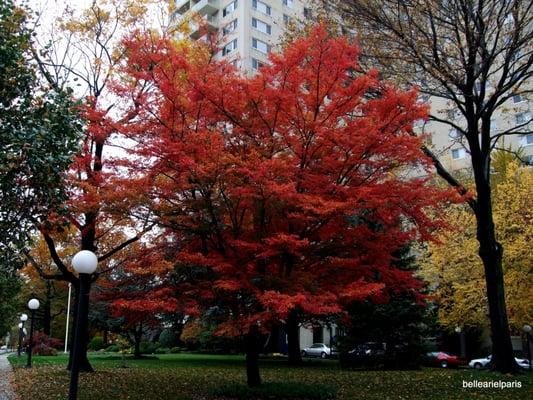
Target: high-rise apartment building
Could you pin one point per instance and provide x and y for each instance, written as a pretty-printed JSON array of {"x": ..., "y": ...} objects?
[
  {"x": 452, "y": 149},
  {"x": 249, "y": 29}
]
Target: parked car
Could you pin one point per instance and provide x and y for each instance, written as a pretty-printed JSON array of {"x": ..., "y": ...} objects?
[
  {"x": 479, "y": 363},
  {"x": 316, "y": 350},
  {"x": 366, "y": 355},
  {"x": 367, "y": 350},
  {"x": 443, "y": 360}
]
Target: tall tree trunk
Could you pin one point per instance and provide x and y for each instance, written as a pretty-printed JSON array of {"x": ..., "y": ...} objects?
[
  {"x": 85, "y": 365},
  {"x": 293, "y": 339},
  {"x": 47, "y": 309},
  {"x": 491, "y": 253},
  {"x": 137, "y": 336},
  {"x": 47, "y": 318},
  {"x": 251, "y": 346}
]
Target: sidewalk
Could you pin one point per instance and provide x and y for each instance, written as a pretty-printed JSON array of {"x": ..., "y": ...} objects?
[{"x": 6, "y": 393}]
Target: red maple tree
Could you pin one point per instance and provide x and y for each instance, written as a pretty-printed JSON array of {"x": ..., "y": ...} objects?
[{"x": 282, "y": 195}]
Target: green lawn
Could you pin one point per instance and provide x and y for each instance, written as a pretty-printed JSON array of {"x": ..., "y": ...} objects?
[{"x": 195, "y": 377}]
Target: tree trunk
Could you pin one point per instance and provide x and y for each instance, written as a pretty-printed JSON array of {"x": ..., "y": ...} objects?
[
  {"x": 137, "y": 336},
  {"x": 47, "y": 317},
  {"x": 47, "y": 309},
  {"x": 105, "y": 337},
  {"x": 251, "y": 345},
  {"x": 491, "y": 253},
  {"x": 293, "y": 339},
  {"x": 85, "y": 365}
]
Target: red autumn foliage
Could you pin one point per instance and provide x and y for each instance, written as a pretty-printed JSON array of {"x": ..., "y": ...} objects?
[
  {"x": 282, "y": 192},
  {"x": 44, "y": 345}
]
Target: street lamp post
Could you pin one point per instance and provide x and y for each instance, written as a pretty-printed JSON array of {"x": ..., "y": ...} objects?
[
  {"x": 462, "y": 341},
  {"x": 33, "y": 305},
  {"x": 23, "y": 318},
  {"x": 527, "y": 331},
  {"x": 85, "y": 263},
  {"x": 68, "y": 316}
]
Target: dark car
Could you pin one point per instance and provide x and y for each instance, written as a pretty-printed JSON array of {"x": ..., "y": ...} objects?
[
  {"x": 369, "y": 354},
  {"x": 369, "y": 349},
  {"x": 443, "y": 360}
]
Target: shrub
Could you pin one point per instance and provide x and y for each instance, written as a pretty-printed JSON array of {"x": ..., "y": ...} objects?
[
  {"x": 43, "y": 350},
  {"x": 96, "y": 343},
  {"x": 175, "y": 350},
  {"x": 288, "y": 390},
  {"x": 148, "y": 347},
  {"x": 44, "y": 343},
  {"x": 162, "y": 350},
  {"x": 168, "y": 338},
  {"x": 113, "y": 348}
]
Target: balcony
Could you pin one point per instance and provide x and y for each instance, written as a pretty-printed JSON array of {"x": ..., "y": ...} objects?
[
  {"x": 211, "y": 23},
  {"x": 182, "y": 6},
  {"x": 204, "y": 7}
]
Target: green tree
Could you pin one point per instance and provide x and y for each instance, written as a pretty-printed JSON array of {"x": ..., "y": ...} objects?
[
  {"x": 399, "y": 317},
  {"x": 38, "y": 134},
  {"x": 9, "y": 287}
]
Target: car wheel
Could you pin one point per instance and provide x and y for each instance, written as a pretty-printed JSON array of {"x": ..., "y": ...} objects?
[
  {"x": 323, "y": 355},
  {"x": 304, "y": 354},
  {"x": 444, "y": 364},
  {"x": 478, "y": 366}
]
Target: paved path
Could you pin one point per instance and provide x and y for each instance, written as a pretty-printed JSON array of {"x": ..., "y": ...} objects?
[{"x": 6, "y": 393}]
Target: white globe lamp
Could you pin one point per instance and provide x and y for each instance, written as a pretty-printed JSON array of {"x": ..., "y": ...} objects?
[
  {"x": 85, "y": 262},
  {"x": 33, "y": 304}
]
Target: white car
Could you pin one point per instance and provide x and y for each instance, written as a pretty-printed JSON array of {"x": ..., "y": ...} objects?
[
  {"x": 479, "y": 363},
  {"x": 317, "y": 350}
]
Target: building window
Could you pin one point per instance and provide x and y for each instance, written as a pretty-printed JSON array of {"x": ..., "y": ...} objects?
[
  {"x": 286, "y": 19},
  {"x": 288, "y": 3},
  {"x": 458, "y": 154},
  {"x": 229, "y": 8},
  {"x": 522, "y": 118},
  {"x": 517, "y": 98},
  {"x": 261, "y": 26},
  {"x": 260, "y": 45},
  {"x": 479, "y": 85},
  {"x": 454, "y": 134},
  {"x": 517, "y": 55},
  {"x": 229, "y": 27},
  {"x": 256, "y": 64},
  {"x": 527, "y": 139},
  {"x": 263, "y": 7},
  {"x": 229, "y": 47},
  {"x": 451, "y": 114}
]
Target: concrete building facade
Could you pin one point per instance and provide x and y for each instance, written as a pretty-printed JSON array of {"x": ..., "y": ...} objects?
[
  {"x": 452, "y": 149},
  {"x": 248, "y": 29}
]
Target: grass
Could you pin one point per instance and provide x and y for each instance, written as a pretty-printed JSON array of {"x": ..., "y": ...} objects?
[{"x": 206, "y": 377}]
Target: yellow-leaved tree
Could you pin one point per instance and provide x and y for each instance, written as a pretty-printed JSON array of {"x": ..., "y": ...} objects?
[{"x": 454, "y": 269}]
